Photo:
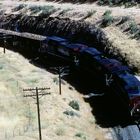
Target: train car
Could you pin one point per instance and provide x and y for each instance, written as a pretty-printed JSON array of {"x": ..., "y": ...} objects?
[
  {"x": 94, "y": 62},
  {"x": 88, "y": 61},
  {"x": 131, "y": 86},
  {"x": 111, "y": 68},
  {"x": 75, "y": 52},
  {"x": 127, "y": 87},
  {"x": 54, "y": 46},
  {"x": 61, "y": 49}
]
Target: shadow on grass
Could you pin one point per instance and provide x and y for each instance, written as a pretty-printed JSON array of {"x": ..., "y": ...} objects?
[{"x": 108, "y": 109}]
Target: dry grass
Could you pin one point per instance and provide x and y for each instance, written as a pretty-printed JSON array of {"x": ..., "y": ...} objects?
[
  {"x": 121, "y": 45},
  {"x": 18, "y": 114}
]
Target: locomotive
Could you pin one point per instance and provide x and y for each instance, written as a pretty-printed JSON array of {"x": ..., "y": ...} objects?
[{"x": 115, "y": 75}]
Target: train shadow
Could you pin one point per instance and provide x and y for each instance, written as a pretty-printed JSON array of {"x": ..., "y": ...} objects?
[{"x": 107, "y": 109}]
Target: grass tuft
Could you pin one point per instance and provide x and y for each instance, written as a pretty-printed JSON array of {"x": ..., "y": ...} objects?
[
  {"x": 75, "y": 105},
  {"x": 107, "y": 19}
]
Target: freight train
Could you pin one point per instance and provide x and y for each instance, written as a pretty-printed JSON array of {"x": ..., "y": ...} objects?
[{"x": 114, "y": 74}]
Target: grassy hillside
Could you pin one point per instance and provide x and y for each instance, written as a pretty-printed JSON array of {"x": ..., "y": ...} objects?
[{"x": 59, "y": 119}]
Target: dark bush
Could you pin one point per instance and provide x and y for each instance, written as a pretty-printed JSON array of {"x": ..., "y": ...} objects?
[{"x": 74, "y": 105}]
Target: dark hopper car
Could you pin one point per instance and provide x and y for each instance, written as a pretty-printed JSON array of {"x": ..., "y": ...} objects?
[
  {"x": 61, "y": 48},
  {"x": 132, "y": 88}
]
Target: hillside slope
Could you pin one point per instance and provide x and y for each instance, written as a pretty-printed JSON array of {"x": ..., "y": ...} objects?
[
  {"x": 59, "y": 120},
  {"x": 114, "y": 30}
]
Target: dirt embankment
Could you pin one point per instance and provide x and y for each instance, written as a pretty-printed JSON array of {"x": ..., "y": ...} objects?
[{"x": 80, "y": 23}]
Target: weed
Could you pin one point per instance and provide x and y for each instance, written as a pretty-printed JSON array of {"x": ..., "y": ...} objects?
[
  {"x": 48, "y": 9},
  {"x": 81, "y": 135},
  {"x": 60, "y": 132},
  {"x": 107, "y": 19},
  {"x": 55, "y": 80},
  {"x": 1, "y": 67},
  {"x": 129, "y": 4},
  {"x": 74, "y": 105},
  {"x": 71, "y": 113},
  {"x": 45, "y": 9},
  {"x": 107, "y": 13},
  {"x": 101, "y": 2},
  {"x": 133, "y": 27}
]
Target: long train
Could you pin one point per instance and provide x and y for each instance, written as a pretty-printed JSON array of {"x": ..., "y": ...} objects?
[{"x": 115, "y": 75}]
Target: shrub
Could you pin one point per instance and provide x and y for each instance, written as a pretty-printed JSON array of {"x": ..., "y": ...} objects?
[
  {"x": 47, "y": 10},
  {"x": 1, "y": 67},
  {"x": 55, "y": 80},
  {"x": 71, "y": 113},
  {"x": 107, "y": 19},
  {"x": 101, "y": 2},
  {"x": 81, "y": 135},
  {"x": 60, "y": 132},
  {"x": 137, "y": 35},
  {"x": 74, "y": 105},
  {"x": 133, "y": 27},
  {"x": 107, "y": 12}
]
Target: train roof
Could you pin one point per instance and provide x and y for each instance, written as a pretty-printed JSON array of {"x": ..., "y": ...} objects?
[
  {"x": 92, "y": 51},
  {"x": 129, "y": 80},
  {"x": 56, "y": 38},
  {"x": 77, "y": 45},
  {"x": 113, "y": 66},
  {"x": 132, "y": 85}
]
